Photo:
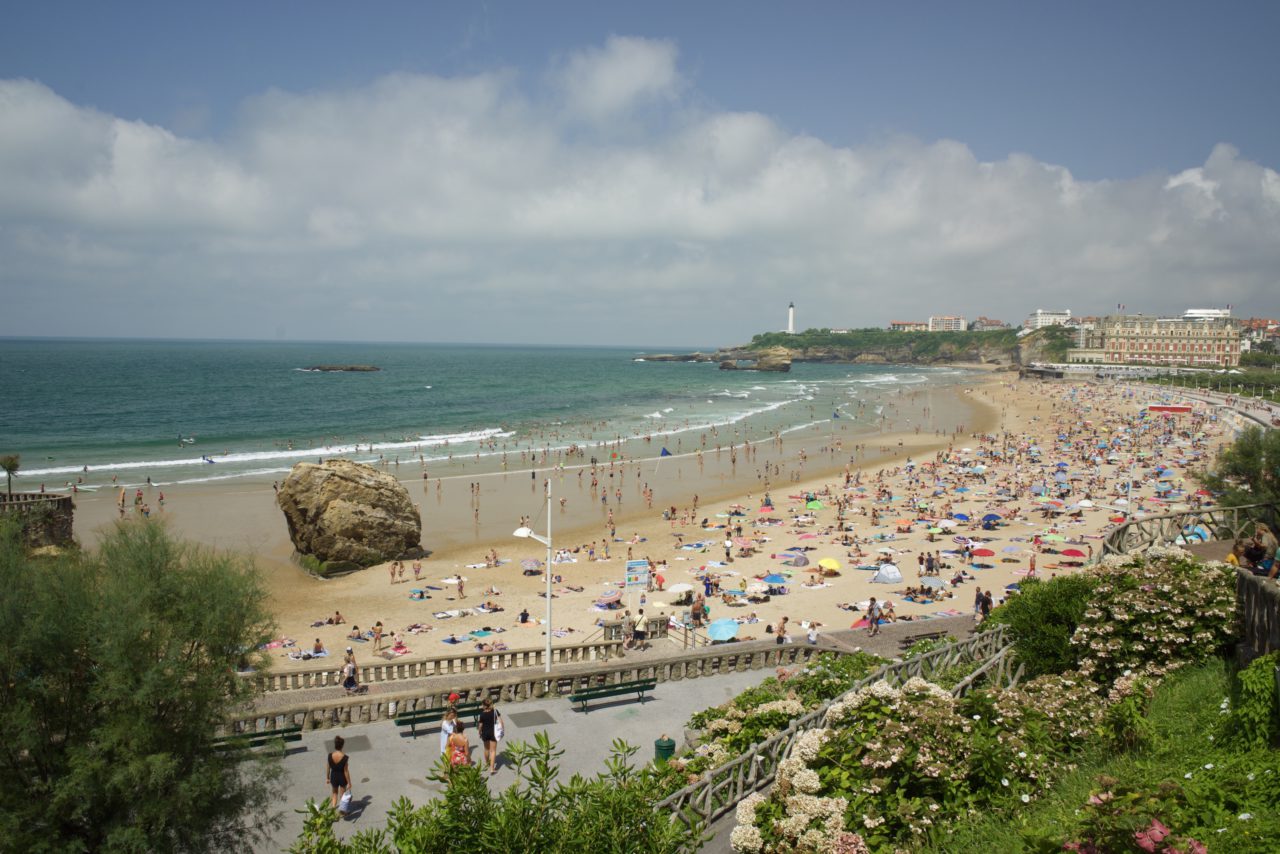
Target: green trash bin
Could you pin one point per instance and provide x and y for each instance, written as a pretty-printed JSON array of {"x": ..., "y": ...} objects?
[{"x": 663, "y": 749}]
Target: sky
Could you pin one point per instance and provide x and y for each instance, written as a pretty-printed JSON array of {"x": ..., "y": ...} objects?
[{"x": 656, "y": 174}]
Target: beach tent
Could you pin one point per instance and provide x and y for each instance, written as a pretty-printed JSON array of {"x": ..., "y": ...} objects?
[{"x": 887, "y": 574}]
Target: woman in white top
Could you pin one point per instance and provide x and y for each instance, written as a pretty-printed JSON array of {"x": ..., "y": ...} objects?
[{"x": 446, "y": 729}]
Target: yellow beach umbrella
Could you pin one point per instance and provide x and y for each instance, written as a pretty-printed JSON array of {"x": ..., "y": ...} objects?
[{"x": 829, "y": 563}]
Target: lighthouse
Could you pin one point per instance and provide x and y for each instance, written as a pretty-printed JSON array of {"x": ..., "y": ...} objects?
[{"x": 791, "y": 319}]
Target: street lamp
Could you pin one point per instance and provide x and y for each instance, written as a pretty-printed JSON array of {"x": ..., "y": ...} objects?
[{"x": 528, "y": 533}]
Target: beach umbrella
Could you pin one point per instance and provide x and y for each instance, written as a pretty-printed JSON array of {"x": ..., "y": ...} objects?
[
  {"x": 1116, "y": 519},
  {"x": 946, "y": 523},
  {"x": 815, "y": 505},
  {"x": 962, "y": 489},
  {"x": 1054, "y": 538},
  {"x": 1011, "y": 549},
  {"x": 1072, "y": 553},
  {"x": 1084, "y": 502},
  {"x": 904, "y": 522},
  {"x": 829, "y": 563},
  {"x": 757, "y": 588},
  {"x": 531, "y": 563},
  {"x": 935, "y": 530},
  {"x": 680, "y": 588},
  {"x": 991, "y": 517},
  {"x": 963, "y": 517},
  {"x": 742, "y": 541},
  {"x": 610, "y": 597},
  {"x": 723, "y": 630},
  {"x": 932, "y": 583},
  {"x": 1013, "y": 586},
  {"x": 983, "y": 553},
  {"x": 774, "y": 578},
  {"x": 798, "y": 560}
]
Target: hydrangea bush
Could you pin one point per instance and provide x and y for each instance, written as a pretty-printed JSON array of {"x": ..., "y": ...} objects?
[
  {"x": 1154, "y": 612},
  {"x": 889, "y": 765}
]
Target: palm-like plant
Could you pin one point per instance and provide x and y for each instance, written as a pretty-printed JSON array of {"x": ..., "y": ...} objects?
[{"x": 10, "y": 463}]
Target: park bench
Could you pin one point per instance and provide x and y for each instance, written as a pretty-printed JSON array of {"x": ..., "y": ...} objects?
[
  {"x": 637, "y": 687},
  {"x": 911, "y": 640},
  {"x": 424, "y": 717},
  {"x": 254, "y": 740}
]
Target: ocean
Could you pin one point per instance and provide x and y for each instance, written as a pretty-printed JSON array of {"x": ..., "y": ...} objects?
[{"x": 182, "y": 412}]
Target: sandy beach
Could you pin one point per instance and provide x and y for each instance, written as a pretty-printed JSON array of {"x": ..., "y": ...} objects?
[{"x": 990, "y": 448}]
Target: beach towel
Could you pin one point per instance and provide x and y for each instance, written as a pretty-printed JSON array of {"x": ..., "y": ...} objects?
[
  {"x": 399, "y": 652},
  {"x": 442, "y": 615},
  {"x": 480, "y": 634}
]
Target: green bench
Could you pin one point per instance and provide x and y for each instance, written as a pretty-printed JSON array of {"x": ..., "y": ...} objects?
[
  {"x": 425, "y": 717},
  {"x": 254, "y": 740},
  {"x": 637, "y": 687}
]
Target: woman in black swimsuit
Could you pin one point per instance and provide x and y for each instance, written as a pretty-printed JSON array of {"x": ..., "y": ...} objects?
[
  {"x": 339, "y": 773},
  {"x": 489, "y": 735}
]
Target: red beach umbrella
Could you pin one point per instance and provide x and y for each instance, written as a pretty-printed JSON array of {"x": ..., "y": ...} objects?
[
  {"x": 1072, "y": 553},
  {"x": 983, "y": 553}
]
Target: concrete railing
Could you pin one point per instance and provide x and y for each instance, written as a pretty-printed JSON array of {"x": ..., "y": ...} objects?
[
  {"x": 1258, "y": 613},
  {"x": 527, "y": 685},
  {"x": 721, "y": 789},
  {"x": 399, "y": 670},
  {"x": 1186, "y": 527}
]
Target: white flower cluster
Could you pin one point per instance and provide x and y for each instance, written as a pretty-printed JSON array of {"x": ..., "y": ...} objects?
[
  {"x": 809, "y": 743},
  {"x": 787, "y": 707},
  {"x": 746, "y": 838},
  {"x": 916, "y": 685}
]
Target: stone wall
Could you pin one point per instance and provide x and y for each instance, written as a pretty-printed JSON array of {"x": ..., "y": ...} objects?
[{"x": 46, "y": 518}]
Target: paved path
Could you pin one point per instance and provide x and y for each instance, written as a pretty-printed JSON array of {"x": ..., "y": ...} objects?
[{"x": 386, "y": 765}]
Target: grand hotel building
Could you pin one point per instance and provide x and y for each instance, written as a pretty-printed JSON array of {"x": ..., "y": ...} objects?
[{"x": 1195, "y": 340}]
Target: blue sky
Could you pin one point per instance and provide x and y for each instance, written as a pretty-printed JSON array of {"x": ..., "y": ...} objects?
[{"x": 983, "y": 158}]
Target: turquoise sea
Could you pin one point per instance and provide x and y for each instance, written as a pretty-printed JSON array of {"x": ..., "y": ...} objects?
[{"x": 198, "y": 411}]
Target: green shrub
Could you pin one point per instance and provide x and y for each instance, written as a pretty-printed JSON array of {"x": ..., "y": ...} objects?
[
  {"x": 1041, "y": 620},
  {"x": 1252, "y": 718}
]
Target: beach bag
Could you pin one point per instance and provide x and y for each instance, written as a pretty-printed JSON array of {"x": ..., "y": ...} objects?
[
  {"x": 498, "y": 730},
  {"x": 344, "y": 804}
]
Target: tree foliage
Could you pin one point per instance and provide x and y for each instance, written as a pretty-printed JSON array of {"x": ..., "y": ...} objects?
[
  {"x": 1041, "y": 620},
  {"x": 117, "y": 667},
  {"x": 1248, "y": 471}
]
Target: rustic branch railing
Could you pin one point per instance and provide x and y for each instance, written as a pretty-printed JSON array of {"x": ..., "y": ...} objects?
[
  {"x": 721, "y": 788},
  {"x": 1221, "y": 523}
]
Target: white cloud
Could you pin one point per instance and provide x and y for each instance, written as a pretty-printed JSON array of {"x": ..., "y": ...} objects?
[
  {"x": 600, "y": 83},
  {"x": 372, "y": 212}
]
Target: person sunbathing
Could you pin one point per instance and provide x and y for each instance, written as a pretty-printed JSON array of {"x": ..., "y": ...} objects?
[
  {"x": 354, "y": 634},
  {"x": 492, "y": 606}
]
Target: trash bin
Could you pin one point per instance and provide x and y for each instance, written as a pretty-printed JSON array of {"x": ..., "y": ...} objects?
[{"x": 663, "y": 749}]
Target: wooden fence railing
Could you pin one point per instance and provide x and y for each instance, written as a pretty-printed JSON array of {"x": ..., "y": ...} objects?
[
  {"x": 1258, "y": 612},
  {"x": 1189, "y": 526},
  {"x": 722, "y": 788}
]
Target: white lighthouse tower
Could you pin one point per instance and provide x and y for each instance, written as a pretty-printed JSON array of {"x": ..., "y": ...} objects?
[{"x": 791, "y": 319}]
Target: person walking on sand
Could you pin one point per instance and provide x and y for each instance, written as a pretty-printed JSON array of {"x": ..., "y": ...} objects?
[
  {"x": 490, "y": 722},
  {"x": 339, "y": 776},
  {"x": 462, "y": 589},
  {"x": 873, "y": 617},
  {"x": 377, "y": 636}
]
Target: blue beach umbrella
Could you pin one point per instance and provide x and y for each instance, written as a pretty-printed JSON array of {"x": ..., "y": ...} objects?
[
  {"x": 774, "y": 578},
  {"x": 723, "y": 630},
  {"x": 991, "y": 517},
  {"x": 963, "y": 517}
]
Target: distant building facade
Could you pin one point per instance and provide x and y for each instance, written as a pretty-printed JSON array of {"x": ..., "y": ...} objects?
[
  {"x": 987, "y": 324},
  {"x": 1193, "y": 340},
  {"x": 908, "y": 326},
  {"x": 1041, "y": 318},
  {"x": 947, "y": 323}
]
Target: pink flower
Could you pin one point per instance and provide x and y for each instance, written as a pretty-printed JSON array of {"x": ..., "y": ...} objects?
[
  {"x": 1196, "y": 847},
  {"x": 1157, "y": 831},
  {"x": 1145, "y": 842}
]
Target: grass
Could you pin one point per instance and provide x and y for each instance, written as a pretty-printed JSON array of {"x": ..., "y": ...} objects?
[{"x": 1185, "y": 739}]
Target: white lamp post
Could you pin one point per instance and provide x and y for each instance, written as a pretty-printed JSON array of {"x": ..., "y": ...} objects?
[{"x": 546, "y": 541}]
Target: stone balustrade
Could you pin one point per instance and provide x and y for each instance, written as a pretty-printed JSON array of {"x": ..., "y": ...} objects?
[
  {"x": 1258, "y": 613},
  {"x": 46, "y": 518},
  {"x": 513, "y": 686},
  {"x": 398, "y": 670}
]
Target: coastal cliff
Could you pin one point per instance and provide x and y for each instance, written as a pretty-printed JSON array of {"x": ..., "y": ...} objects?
[{"x": 776, "y": 351}]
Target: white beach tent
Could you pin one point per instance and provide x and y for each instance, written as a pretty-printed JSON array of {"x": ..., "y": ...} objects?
[{"x": 887, "y": 574}]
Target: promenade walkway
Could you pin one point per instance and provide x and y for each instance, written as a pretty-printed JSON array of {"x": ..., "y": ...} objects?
[{"x": 386, "y": 764}]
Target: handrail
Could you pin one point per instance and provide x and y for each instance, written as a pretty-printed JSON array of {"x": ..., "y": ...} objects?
[
  {"x": 720, "y": 789},
  {"x": 1258, "y": 613},
  {"x": 1221, "y": 523}
]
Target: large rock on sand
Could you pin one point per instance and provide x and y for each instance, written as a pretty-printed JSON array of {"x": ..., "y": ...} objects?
[{"x": 344, "y": 511}]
